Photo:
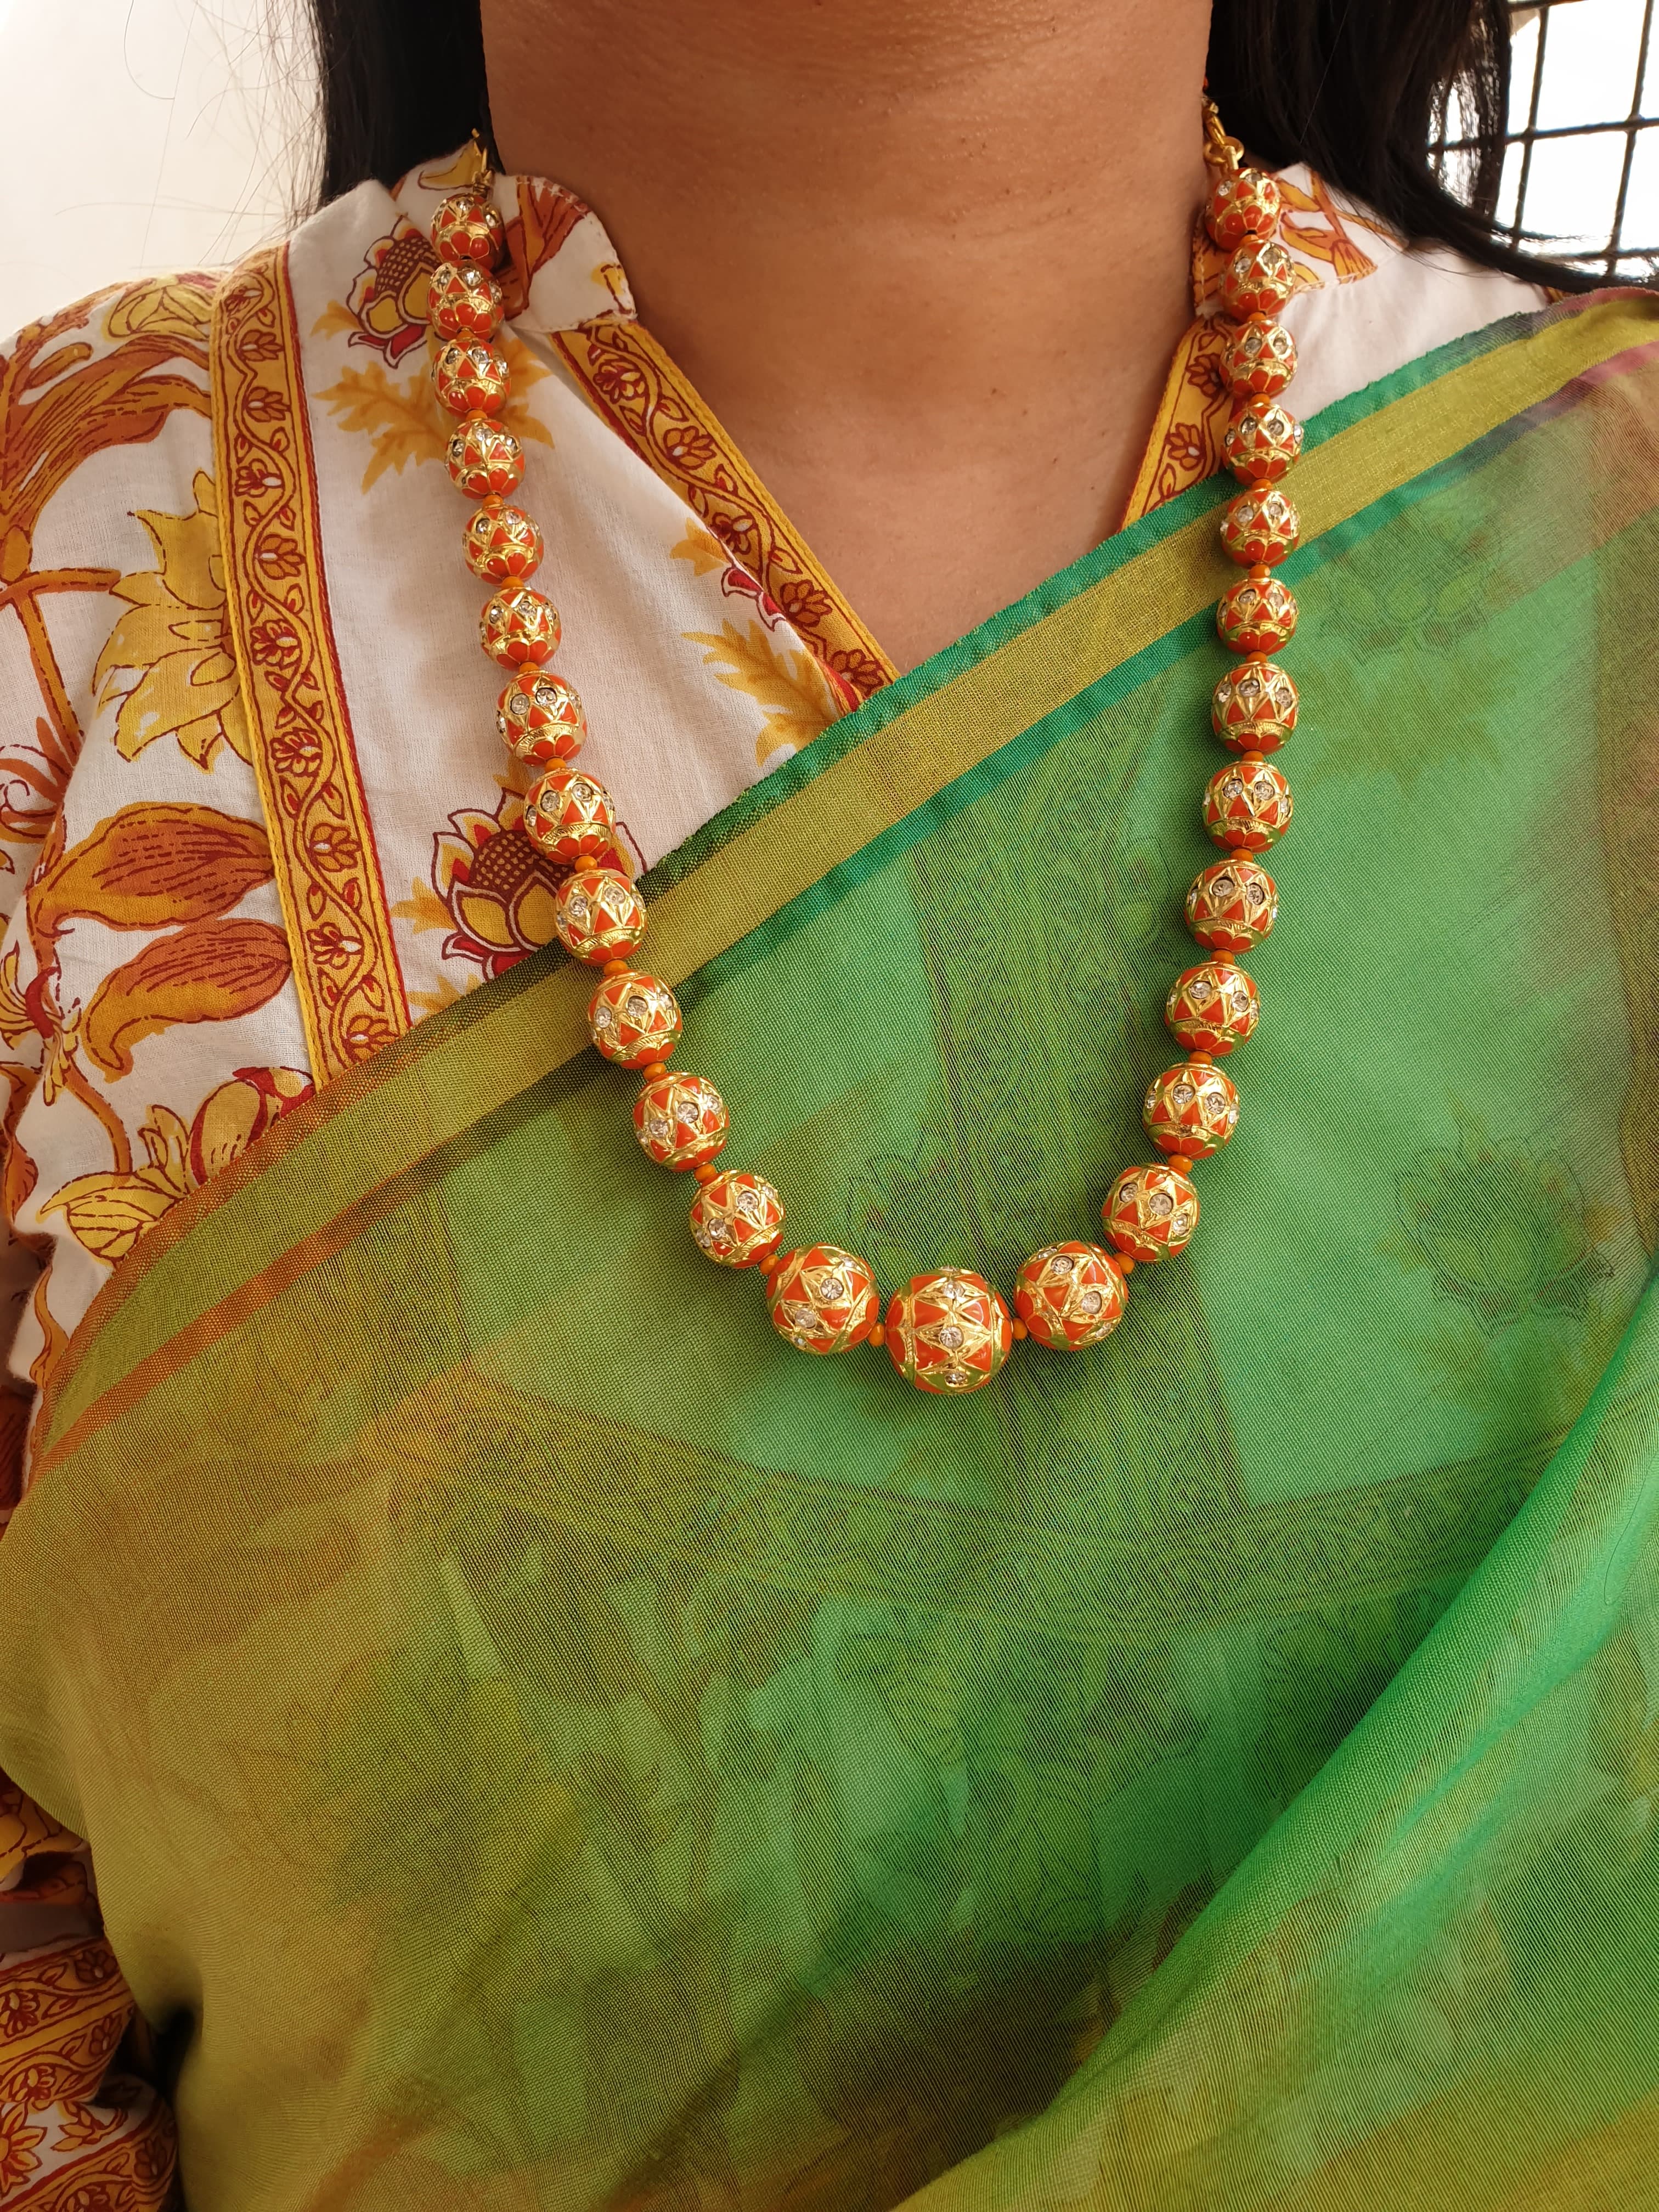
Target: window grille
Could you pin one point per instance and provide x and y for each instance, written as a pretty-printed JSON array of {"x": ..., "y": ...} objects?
[{"x": 1581, "y": 162}]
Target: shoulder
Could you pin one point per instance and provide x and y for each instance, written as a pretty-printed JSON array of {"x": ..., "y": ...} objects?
[
  {"x": 108, "y": 520},
  {"x": 1368, "y": 303}
]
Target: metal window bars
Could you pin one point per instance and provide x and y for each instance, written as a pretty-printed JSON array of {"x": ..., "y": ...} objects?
[{"x": 1606, "y": 238}]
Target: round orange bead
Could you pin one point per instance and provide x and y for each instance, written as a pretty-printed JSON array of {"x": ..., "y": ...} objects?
[
  {"x": 949, "y": 1333},
  {"x": 471, "y": 378},
  {"x": 1260, "y": 528},
  {"x": 681, "y": 1122},
  {"x": 597, "y": 913},
  {"x": 463, "y": 300},
  {"x": 822, "y": 1299},
  {"x": 1070, "y": 1295},
  {"x": 1254, "y": 708},
  {"x": 519, "y": 625},
  {"x": 1242, "y": 203},
  {"x": 540, "y": 718},
  {"x": 504, "y": 543},
  {"x": 1192, "y": 1109},
  {"x": 1213, "y": 1007},
  {"x": 568, "y": 816},
  {"x": 468, "y": 227},
  {"x": 1258, "y": 279},
  {"x": 1261, "y": 442},
  {"x": 484, "y": 459},
  {"x": 1150, "y": 1212},
  {"x": 633, "y": 1018},
  {"x": 737, "y": 1219},
  {"x": 1260, "y": 360},
  {"x": 1232, "y": 905},
  {"x": 1257, "y": 614},
  {"x": 1246, "y": 805}
]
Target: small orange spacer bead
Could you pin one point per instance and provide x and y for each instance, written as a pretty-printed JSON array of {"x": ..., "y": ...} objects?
[
  {"x": 1252, "y": 760},
  {"x": 1020, "y": 1332},
  {"x": 877, "y": 1336},
  {"x": 492, "y": 503},
  {"x": 1126, "y": 1266},
  {"x": 616, "y": 968},
  {"x": 1261, "y": 574},
  {"x": 529, "y": 671},
  {"x": 767, "y": 1266},
  {"x": 1200, "y": 1059},
  {"x": 705, "y": 1173},
  {"x": 655, "y": 1068},
  {"x": 1182, "y": 1163}
]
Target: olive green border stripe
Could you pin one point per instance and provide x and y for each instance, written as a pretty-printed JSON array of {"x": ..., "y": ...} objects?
[
  {"x": 1103, "y": 562},
  {"x": 936, "y": 724}
]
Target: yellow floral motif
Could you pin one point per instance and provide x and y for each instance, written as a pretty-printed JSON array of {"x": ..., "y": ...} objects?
[
  {"x": 17, "y": 1022},
  {"x": 403, "y": 417},
  {"x": 703, "y": 549},
  {"x": 162, "y": 307},
  {"x": 108, "y": 1212},
  {"x": 168, "y": 660},
  {"x": 790, "y": 686},
  {"x": 433, "y": 1002}
]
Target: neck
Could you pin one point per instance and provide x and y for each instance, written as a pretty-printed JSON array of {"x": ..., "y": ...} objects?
[{"x": 920, "y": 237}]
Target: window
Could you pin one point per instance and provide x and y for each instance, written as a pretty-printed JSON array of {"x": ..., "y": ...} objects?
[{"x": 1581, "y": 165}]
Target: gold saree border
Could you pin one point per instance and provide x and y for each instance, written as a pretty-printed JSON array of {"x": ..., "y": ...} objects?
[
  {"x": 328, "y": 876},
  {"x": 629, "y": 381},
  {"x": 428, "y": 1088}
]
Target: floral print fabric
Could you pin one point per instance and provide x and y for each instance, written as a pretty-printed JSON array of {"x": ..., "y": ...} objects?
[{"x": 254, "y": 817}]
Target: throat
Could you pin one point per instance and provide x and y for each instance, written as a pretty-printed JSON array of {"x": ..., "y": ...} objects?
[{"x": 926, "y": 264}]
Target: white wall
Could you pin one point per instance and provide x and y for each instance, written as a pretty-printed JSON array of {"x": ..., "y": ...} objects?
[{"x": 138, "y": 136}]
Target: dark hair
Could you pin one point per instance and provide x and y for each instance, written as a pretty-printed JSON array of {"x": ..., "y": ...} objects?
[{"x": 1358, "y": 88}]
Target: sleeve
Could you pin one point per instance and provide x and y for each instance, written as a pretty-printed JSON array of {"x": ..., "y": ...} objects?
[{"x": 103, "y": 408}]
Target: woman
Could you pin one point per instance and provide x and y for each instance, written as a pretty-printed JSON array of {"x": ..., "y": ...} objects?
[{"x": 542, "y": 1740}]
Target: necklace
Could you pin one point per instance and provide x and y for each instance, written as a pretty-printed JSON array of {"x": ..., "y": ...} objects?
[{"x": 950, "y": 1332}]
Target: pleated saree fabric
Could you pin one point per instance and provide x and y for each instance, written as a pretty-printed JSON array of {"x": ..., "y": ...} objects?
[{"x": 547, "y": 1744}]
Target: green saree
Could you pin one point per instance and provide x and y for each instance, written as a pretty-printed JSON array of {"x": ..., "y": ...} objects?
[{"x": 546, "y": 1744}]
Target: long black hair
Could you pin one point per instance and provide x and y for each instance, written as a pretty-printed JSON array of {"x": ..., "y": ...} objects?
[{"x": 1358, "y": 88}]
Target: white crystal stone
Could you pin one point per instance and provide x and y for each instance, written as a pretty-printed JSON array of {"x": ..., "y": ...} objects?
[
  {"x": 1161, "y": 1205},
  {"x": 950, "y": 1339},
  {"x": 1183, "y": 1094}
]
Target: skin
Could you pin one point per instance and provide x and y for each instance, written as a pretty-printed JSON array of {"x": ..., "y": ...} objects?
[{"x": 927, "y": 262}]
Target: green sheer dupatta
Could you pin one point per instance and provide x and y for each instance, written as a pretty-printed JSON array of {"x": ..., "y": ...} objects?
[{"x": 565, "y": 1749}]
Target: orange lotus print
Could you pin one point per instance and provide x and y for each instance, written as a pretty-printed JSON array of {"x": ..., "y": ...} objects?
[
  {"x": 496, "y": 889},
  {"x": 387, "y": 299}
]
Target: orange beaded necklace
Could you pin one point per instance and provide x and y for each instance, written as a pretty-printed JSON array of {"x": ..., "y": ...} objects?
[{"x": 949, "y": 1332}]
